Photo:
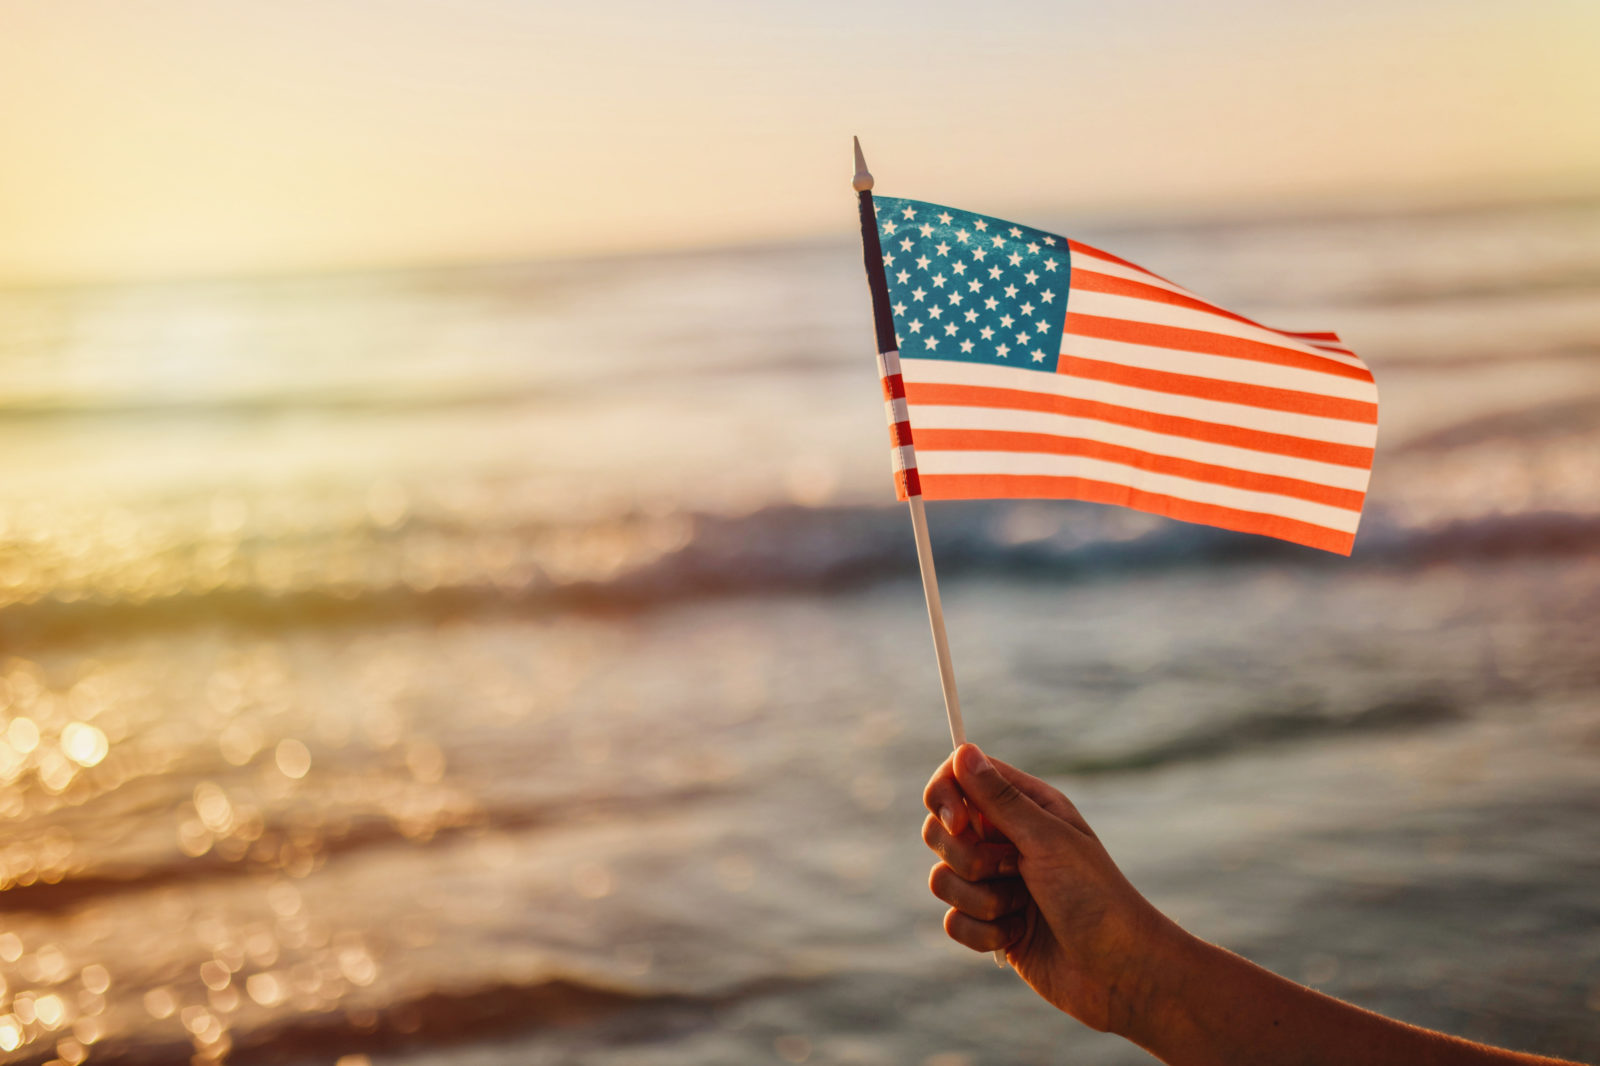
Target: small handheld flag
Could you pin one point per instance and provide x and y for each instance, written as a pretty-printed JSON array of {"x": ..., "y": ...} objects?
[
  {"x": 1031, "y": 365},
  {"x": 1018, "y": 363}
]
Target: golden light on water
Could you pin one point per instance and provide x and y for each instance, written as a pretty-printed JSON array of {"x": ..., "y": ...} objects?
[
  {"x": 160, "y": 1002},
  {"x": 96, "y": 978},
  {"x": 50, "y": 1011},
  {"x": 89, "y": 1029},
  {"x": 84, "y": 744},
  {"x": 23, "y": 734},
  {"x": 266, "y": 988},
  {"x": 293, "y": 758},
  {"x": 216, "y": 813},
  {"x": 215, "y": 975}
]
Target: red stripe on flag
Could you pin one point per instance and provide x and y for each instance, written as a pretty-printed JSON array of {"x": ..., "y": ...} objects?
[
  {"x": 995, "y": 440},
  {"x": 1091, "y": 281},
  {"x": 907, "y": 484},
  {"x": 899, "y": 434},
  {"x": 1265, "y": 396},
  {"x": 1320, "y": 339},
  {"x": 894, "y": 387},
  {"x": 1039, "y": 486},
  {"x": 1174, "y": 425},
  {"x": 1206, "y": 343},
  {"x": 1084, "y": 249}
]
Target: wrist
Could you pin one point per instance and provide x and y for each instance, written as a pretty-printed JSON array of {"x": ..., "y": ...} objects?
[{"x": 1149, "y": 1010}]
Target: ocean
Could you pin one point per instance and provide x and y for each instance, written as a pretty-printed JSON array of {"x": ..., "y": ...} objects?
[{"x": 526, "y": 663}]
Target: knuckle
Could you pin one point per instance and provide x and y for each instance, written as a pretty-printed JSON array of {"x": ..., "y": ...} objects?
[
  {"x": 1017, "y": 899},
  {"x": 976, "y": 933},
  {"x": 931, "y": 831},
  {"x": 1006, "y": 793}
]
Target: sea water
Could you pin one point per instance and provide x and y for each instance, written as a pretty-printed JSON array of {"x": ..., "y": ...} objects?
[{"x": 526, "y": 664}]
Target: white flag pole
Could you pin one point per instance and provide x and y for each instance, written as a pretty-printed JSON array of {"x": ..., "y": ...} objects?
[
  {"x": 905, "y": 456},
  {"x": 941, "y": 644}
]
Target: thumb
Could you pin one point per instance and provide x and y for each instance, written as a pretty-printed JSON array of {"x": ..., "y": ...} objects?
[{"x": 1002, "y": 803}]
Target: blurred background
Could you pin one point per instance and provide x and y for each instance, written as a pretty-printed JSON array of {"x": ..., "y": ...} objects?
[{"x": 452, "y": 603}]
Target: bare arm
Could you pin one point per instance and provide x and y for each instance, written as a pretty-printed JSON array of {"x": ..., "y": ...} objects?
[
  {"x": 1214, "y": 1007},
  {"x": 1040, "y": 885}
]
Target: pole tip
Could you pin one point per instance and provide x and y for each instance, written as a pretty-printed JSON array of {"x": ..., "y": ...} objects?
[{"x": 863, "y": 178}]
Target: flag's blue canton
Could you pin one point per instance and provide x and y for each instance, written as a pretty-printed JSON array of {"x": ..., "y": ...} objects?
[{"x": 974, "y": 288}]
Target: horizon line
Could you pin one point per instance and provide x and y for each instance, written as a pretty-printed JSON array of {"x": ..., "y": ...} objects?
[{"x": 1558, "y": 192}]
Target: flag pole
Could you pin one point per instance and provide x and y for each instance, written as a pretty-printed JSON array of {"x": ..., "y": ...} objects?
[
  {"x": 905, "y": 460},
  {"x": 905, "y": 456}
]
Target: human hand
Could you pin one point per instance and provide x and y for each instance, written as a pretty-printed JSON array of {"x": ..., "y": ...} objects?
[
  {"x": 1032, "y": 878},
  {"x": 1038, "y": 883}
]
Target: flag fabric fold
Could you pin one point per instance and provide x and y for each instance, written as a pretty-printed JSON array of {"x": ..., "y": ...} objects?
[{"x": 1031, "y": 365}]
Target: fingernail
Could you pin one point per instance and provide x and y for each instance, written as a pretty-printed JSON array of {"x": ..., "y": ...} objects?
[
  {"x": 947, "y": 819},
  {"x": 973, "y": 760}
]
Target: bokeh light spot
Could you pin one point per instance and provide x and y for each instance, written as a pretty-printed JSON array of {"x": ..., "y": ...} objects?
[
  {"x": 83, "y": 743},
  {"x": 23, "y": 734},
  {"x": 96, "y": 978},
  {"x": 266, "y": 988},
  {"x": 293, "y": 758}
]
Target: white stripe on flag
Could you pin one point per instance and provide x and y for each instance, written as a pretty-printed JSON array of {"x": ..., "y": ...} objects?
[
  {"x": 935, "y": 464},
  {"x": 1134, "y": 309},
  {"x": 1308, "y": 427},
  {"x": 1219, "y": 368},
  {"x": 932, "y": 417},
  {"x": 1086, "y": 261},
  {"x": 1094, "y": 264}
]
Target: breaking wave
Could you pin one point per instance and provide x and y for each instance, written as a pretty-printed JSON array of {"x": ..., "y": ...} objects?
[{"x": 1267, "y": 727}]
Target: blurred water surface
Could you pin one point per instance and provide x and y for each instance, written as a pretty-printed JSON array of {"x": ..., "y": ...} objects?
[{"x": 526, "y": 664}]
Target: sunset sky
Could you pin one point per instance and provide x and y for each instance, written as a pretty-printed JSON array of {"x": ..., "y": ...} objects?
[{"x": 196, "y": 137}]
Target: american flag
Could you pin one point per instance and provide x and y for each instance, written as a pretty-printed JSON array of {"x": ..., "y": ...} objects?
[{"x": 1030, "y": 365}]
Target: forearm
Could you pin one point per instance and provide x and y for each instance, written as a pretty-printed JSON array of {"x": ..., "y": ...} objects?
[
  {"x": 1085, "y": 940},
  {"x": 1204, "y": 1006}
]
